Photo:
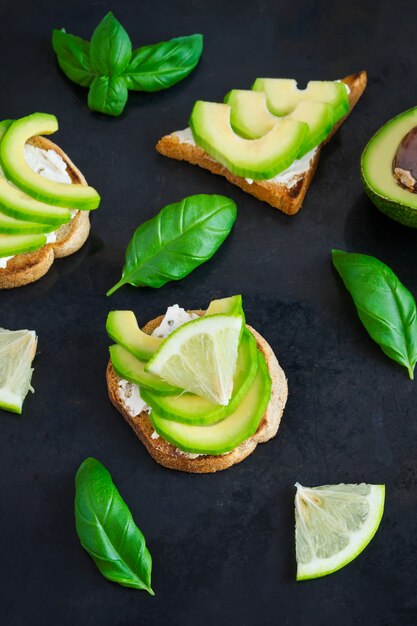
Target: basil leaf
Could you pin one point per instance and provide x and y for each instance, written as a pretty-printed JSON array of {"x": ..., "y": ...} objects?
[
  {"x": 180, "y": 238},
  {"x": 110, "y": 48},
  {"x": 73, "y": 55},
  {"x": 108, "y": 95},
  {"x": 107, "y": 531},
  {"x": 386, "y": 308},
  {"x": 161, "y": 65}
]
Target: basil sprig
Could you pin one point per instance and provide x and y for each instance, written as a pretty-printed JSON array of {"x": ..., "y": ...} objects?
[
  {"x": 385, "y": 306},
  {"x": 177, "y": 240},
  {"x": 107, "y": 531},
  {"x": 109, "y": 67}
]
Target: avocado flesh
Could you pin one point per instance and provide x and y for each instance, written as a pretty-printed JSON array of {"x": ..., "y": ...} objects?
[
  {"x": 251, "y": 118},
  {"x": 229, "y": 306},
  {"x": 189, "y": 408},
  {"x": 283, "y": 95},
  {"x": 18, "y": 171},
  {"x": 11, "y": 245},
  {"x": 132, "y": 369},
  {"x": 18, "y": 205},
  {"x": 122, "y": 327},
  {"x": 258, "y": 159},
  {"x": 226, "y": 435},
  {"x": 376, "y": 169},
  {"x": 12, "y": 226}
]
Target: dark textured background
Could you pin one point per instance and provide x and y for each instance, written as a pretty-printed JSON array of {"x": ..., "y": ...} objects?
[{"x": 222, "y": 545}]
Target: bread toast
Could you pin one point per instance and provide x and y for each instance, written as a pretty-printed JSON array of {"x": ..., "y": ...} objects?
[
  {"x": 281, "y": 196},
  {"x": 168, "y": 455},
  {"x": 26, "y": 268}
]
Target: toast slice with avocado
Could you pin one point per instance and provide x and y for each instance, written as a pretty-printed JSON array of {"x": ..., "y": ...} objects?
[
  {"x": 168, "y": 454},
  {"x": 287, "y": 195}
]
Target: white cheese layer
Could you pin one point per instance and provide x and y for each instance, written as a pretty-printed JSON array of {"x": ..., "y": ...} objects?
[{"x": 50, "y": 165}]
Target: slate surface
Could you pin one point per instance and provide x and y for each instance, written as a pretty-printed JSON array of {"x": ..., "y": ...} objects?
[{"x": 222, "y": 545}]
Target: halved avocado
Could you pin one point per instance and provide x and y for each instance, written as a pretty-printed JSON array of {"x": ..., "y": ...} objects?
[
  {"x": 251, "y": 118},
  {"x": 188, "y": 408},
  {"x": 18, "y": 171},
  {"x": 378, "y": 163},
  {"x": 283, "y": 95},
  {"x": 132, "y": 369},
  {"x": 19, "y": 244},
  {"x": 259, "y": 159},
  {"x": 122, "y": 327},
  {"x": 226, "y": 435}
]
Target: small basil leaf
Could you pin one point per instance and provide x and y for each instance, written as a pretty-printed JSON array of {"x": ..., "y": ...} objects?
[
  {"x": 385, "y": 306},
  {"x": 108, "y": 95},
  {"x": 73, "y": 55},
  {"x": 107, "y": 531},
  {"x": 180, "y": 238},
  {"x": 161, "y": 65},
  {"x": 110, "y": 48}
]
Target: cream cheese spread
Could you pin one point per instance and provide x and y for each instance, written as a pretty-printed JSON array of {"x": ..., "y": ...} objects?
[{"x": 50, "y": 165}]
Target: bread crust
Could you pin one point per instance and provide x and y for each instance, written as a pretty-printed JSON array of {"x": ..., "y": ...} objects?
[
  {"x": 26, "y": 268},
  {"x": 168, "y": 455},
  {"x": 286, "y": 199}
]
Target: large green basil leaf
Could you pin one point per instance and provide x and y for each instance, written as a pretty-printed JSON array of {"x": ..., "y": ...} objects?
[
  {"x": 107, "y": 531},
  {"x": 110, "y": 48},
  {"x": 108, "y": 95},
  {"x": 180, "y": 238},
  {"x": 386, "y": 308},
  {"x": 161, "y": 65},
  {"x": 73, "y": 55}
]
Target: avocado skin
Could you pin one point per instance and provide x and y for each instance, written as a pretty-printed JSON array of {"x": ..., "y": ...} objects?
[{"x": 397, "y": 211}]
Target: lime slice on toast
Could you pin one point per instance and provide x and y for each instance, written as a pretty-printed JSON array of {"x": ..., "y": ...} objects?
[
  {"x": 201, "y": 356},
  {"x": 17, "y": 351},
  {"x": 333, "y": 524}
]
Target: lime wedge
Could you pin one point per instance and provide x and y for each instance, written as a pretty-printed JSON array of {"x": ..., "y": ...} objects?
[
  {"x": 17, "y": 351},
  {"x": 201, "y": 357},
  {"x": 333, "y": 524}
]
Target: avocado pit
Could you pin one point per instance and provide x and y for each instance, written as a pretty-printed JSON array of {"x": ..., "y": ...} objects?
[{"x": 404, "y": 165}]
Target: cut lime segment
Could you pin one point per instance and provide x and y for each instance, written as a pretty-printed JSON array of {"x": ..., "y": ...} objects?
[
  {"x": 17, "y": 351},
  {"x": 201, "y": 357},
  {"x": 333, "y": 524}
]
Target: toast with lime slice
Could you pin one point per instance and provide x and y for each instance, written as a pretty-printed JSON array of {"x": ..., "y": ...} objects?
[
  {"x": 267, "y": 140},
  {"x": 203, "y": 397}
]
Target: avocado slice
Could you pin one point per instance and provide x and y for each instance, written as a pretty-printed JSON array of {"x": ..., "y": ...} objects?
[
  {"x": 18, "y": 171},
  {"x": 230, "y": 306},
  {"x": 18, "y": 205},
  {"x": 18, "y": 244},
  {"x": 258, "y": 159},
  {"x": 12, "y": 226},
  {"x": 283, "y": 95},
  {"x": 251, "y": 118},
  {"x": 188, "y": 408},
  {"x": 122, "y": 327},
  {"x": 378, "y": 178},
  {"x": 226, "y": 435},
  {"x": 132, "y": 369}
]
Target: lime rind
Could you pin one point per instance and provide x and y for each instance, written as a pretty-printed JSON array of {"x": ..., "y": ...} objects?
[{"x": 319, "y": 567}]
